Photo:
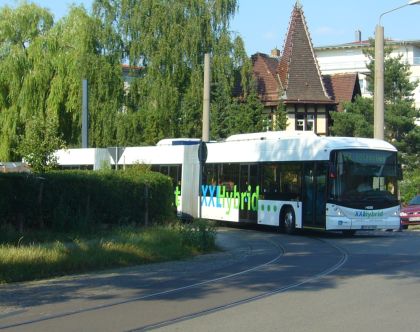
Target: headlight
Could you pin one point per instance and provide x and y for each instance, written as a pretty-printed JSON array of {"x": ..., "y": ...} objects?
[
  {"x": 338, "y": 212},
  {"x": 403, "y": 214}
]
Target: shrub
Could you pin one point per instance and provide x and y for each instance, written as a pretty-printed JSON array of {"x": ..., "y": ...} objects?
[
  {"x": 199, "y": 234},
  {"x": 66, "y": 200}
]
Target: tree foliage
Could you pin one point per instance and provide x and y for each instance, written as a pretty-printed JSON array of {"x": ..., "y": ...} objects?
[
  {"x": 400, "y": 112},
  {"x": 40, "y": 142},
  {"x": 280, "y": 118},
  {"x": 168, "y": 40},
  {"x": 82, "y": 54},
  {"x": 41, "y": 69},
  {"x": 21, "y": 84},
  {"x": 42, "y": 64},
  {"x": 397, "y": 84},
  {"x": 356, "y": 121}
]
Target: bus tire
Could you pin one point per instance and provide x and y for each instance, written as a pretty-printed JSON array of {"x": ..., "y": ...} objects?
[{"x": 288, "y": 220}]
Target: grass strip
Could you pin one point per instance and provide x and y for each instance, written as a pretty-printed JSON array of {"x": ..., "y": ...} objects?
[{"x": 116, "y": 248}]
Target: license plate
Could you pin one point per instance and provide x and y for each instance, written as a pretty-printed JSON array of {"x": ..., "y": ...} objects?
[
  {"x": 414, "y": 219},
  {"x": 368, "y": 226}
]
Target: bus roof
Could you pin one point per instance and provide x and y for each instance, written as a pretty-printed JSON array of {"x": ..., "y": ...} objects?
[
  {"x": 178, "y": 141},
  {"x": 255, "y": 147},
  {"x": 269, "y": 135},
  {"x": 282, "y": 146}
]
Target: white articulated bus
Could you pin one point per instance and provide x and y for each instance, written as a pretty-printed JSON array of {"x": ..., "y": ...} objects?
[{"x": 292, "y": 180}]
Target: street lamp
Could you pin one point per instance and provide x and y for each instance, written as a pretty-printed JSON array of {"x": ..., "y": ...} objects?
[{"x": 378, "y": 115}]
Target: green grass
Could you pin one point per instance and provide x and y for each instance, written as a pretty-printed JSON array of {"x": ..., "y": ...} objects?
[{"x": 38, "y": 256}]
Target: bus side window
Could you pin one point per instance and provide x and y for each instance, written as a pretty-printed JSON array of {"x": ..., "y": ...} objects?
[
  {"x": 229, "y": 176},
  {"x": 270, "y": 181},
  {"x": 291, "y": 181}
]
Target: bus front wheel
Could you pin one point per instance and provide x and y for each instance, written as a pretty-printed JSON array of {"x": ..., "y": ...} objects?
[{"x": 289, "y": 221}]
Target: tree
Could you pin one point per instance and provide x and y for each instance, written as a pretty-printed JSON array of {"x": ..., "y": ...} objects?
[
  {"x": 236, "y": 107},
  {"x": 280, "y": 118},
  {"x": 41, "y": 69},
  {"x": 399, "y": 106},
  {"x": 397, "y": 84},
  {"x": 40, "y": 142},
  {"x": 19, "y": 30},
  {"x": 356, "y": 121},
  {"x": 81, "y": 53},
  {"x": 398, "y": 96},
  {"x": 42, "y": 65},
  {"x": 168, "y": 39}
]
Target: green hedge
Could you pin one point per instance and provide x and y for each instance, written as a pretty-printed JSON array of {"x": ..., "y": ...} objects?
[{"x": 82, "y": 199}]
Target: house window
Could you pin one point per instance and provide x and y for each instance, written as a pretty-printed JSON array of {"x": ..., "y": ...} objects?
[
  {"x": 310, "y": 121},
  {"x": 305, "y": 122},
  {"x": 300, "y": 122}
]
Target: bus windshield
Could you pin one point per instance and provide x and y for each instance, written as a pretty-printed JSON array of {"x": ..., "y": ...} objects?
[{"x": 360, "y": 178}]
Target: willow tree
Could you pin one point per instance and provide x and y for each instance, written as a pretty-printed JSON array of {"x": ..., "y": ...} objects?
[
  {"x": 168, "y": 40},
  {"x": 20, "y": 28},
  {"x": 41, "y": 69},
  {"x": 81, "y": 52}
]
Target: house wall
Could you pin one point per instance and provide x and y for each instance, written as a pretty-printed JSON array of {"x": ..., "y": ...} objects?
[
  {"x": 348, "y": 58},
  {"x": 322, "y": 124},
  {"x": 321, "y": 118}
]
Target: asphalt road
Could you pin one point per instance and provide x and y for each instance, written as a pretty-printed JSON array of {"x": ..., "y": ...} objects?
[{"x": 262, "y": 281}]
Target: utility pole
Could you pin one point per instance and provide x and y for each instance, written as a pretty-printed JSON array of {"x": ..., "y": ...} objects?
[
  {"x": 378, "y": 103},
  {"x": 206, "y": 99},
  {"x": 85, "y": 114}
]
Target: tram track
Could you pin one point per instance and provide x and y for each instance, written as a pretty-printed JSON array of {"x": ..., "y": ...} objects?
[
  {"x": 313, "y": 278},
  {"x": 279, "y": 249},
  {"x": 147, "y": 296}
]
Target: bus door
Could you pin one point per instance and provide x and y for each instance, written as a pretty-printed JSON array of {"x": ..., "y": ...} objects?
[
  {"x": 247, "y": 184},
  {"x": 314, "y": 194}
]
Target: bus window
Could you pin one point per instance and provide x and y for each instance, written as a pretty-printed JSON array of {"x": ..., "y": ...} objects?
[
  {"x": 175, "y": 174},
  {"x": 364, "y": 175},
  {"x": 210, "y": 176},
  {"x": 290, "y": 181},
  {"x": 270, "y": 186},
  {"x": 281, "y": 181},
  {"x": 229, "y": 176},
  {"x": 155, "y": 168}
]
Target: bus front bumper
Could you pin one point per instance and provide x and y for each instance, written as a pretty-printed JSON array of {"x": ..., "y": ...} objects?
[{"x": 334, "y": 223}]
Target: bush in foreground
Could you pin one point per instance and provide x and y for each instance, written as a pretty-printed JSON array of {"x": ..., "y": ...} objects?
[{"x": 75, "y": 200}]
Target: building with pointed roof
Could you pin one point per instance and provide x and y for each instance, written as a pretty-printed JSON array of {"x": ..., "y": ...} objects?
[
  {"x": 303, "y": 91},
  {"x": 294, "y": 80}
]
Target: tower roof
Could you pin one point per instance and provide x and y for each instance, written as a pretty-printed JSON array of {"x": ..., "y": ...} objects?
[
  {"x": 298, "y": 68},
  {"x": 264, "y": 68}
]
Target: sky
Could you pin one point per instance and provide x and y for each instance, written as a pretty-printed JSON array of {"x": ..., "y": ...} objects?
[{"x": 263, "y": 24}]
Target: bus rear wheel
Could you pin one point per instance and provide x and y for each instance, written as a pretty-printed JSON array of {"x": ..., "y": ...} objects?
[{"x": 289, "y": 221}]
